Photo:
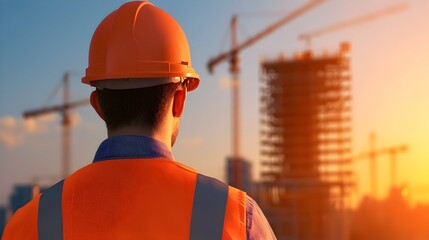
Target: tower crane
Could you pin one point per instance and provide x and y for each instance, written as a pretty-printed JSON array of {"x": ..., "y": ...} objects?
[
  {"x": 232, "y": 56},
  {"x": 372, "y": 155},
  {"x": 353, "y": 22},
  {"x": 64, "y": 109}
]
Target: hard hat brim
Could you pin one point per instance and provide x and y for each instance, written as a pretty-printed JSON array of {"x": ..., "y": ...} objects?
[{"x": 134, "y": 83}]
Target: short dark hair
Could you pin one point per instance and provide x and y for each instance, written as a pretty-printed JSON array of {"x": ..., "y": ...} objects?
[{"x": 142, "y": 106}]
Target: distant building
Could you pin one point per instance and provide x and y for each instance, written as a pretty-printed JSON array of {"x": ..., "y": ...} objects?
[
  {"x": 305, "y": 136},
  {"x": 239, "y": 173},
  {"x": 21, "y": 195}
]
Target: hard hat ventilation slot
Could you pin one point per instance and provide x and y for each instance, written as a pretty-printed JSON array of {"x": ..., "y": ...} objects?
[{"x": 184, "y": 63}]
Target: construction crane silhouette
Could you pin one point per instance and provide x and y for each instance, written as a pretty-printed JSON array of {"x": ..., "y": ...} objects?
[
  {"x": 64, "y": 109},
  {"x": 372, "y": 155},
  {"x": 232, "y": 56},
  {"x": 307, "y": 37}
]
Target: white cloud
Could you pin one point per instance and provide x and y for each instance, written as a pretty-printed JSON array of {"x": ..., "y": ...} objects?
[
  {"x": 39, "y": 124},
  {"x": 226, "y": 83},
  {"x": 9, "y": 132},
  {"x": 75, "y": 119},
  {"x": 10, "y": 139},
  {"x": 46, "y": 118},
  {"x": 13, "y": 131},
  {"x": 8, "y": 122},
  {"x": 30, "y": 126}
]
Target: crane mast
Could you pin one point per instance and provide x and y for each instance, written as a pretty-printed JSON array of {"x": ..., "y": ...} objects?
[
  {"x": 372, "y": 155},
  {"x": 233, "y": 56},
  {"x": 64, "y": 109},
  {"x": 235, "y": 72}
]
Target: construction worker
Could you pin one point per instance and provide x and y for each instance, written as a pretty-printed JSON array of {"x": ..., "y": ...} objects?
[{"x": 140, "y": 64}]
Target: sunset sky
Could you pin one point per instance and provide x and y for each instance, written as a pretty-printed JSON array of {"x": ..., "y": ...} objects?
[{"x": 40, "y": 40}]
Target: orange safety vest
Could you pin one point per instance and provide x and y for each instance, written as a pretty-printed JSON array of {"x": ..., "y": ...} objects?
[{"x": 133, "y": 199}]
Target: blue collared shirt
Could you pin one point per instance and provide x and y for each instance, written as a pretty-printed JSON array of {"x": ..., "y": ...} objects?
[{"x": 132, "y": 146}]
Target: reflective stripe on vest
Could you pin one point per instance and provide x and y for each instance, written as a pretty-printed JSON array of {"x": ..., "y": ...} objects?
[
  {"x": 50, "y": 219},
  {"x": 208, "y": 211}
]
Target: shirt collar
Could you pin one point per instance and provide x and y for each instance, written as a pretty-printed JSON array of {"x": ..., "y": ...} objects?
[{"x": 131, "y": 146}]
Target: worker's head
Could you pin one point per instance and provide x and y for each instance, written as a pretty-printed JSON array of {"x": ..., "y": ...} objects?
[
  {"x": 140, "y": 63},
  {"x": 142, "y": 108}
]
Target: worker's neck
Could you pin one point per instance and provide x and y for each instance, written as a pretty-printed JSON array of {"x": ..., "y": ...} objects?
[{"x": 160, "y": 135}]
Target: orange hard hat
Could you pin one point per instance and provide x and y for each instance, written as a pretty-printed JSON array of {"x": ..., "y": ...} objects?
[{"x": 142, "y": 44}]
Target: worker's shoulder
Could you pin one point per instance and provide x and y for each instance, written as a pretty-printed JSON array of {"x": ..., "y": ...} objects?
[
  {"x": 185, "y": 167},
  {"x": 150, "y": 162},
  {"x": 257, "y": 224},
  {"x": 23, "y": 223},
  {"x": 113, "y": 166}
]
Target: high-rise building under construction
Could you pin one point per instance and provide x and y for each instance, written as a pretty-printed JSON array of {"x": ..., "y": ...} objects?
[{"x": 306, "y": 175}]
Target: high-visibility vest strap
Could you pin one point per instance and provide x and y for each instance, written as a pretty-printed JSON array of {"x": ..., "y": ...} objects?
[
  {"x": 205, "y": 208},
  {"x": 208, "y": 211},
  {"x": 50, "y": 220},
  {"x": 207, "y": 221}
]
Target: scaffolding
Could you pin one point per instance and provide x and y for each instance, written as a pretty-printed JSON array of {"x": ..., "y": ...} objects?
[{"x": 306, "y": 175}]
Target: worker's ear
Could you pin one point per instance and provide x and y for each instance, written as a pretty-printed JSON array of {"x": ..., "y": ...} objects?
[
  {"x": 95, "y": 104},
  {"x": 179, "y": 100}
]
